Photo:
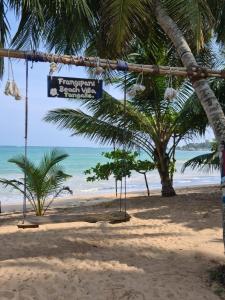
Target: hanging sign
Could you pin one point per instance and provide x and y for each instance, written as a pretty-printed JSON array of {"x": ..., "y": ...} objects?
[{"x": 74, "y": 88}]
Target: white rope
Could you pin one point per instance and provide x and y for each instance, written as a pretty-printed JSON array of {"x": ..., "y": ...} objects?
[
  {"x": 53, "y": 68},
  {"x": 11, "y": 88},
  {"x": 170, "y": 92},
  {"x": 138, "y": 87}
]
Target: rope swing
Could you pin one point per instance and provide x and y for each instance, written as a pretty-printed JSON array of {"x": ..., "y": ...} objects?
[
  {"x": 124, "y": 144},
  {"x": 25, "y": 142},
  {"x": 11, "y": 89},
  {"x": 25, "y": 224},
  {"x": 122, "y": 66}
]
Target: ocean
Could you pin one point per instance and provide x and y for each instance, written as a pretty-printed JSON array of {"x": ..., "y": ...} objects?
[{"x": 81, "y": 159}]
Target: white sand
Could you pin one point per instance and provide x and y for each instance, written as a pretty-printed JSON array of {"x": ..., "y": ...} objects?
[{"x": 164, "y": 252}]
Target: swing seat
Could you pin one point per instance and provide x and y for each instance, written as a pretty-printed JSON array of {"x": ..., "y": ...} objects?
[
  {"x": 111, "y": 217},
  {"x": 25, "y": 224}
]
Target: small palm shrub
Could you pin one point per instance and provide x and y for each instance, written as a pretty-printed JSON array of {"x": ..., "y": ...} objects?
[{"x": 44, "y": 182}]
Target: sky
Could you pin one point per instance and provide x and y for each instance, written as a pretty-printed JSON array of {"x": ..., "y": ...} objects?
[
  {"x": 12, "y": 111},
  {"x": 40, "y": 133}
]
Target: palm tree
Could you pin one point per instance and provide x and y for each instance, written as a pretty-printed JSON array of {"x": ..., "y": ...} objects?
[
  {"x": 150, "y": 123},
  {"x": 44, "y": 182}
]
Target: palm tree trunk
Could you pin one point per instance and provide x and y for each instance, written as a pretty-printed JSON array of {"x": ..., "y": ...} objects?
[
  {"x": 205, "y": 94},
  {"x": 39, "y": 210},
  {"x": 162, "y": 161},
  {"x": 167, "y": 185}
]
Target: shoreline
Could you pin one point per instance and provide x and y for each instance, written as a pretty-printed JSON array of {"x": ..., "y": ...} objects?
[{"x": 83, "y": 201}]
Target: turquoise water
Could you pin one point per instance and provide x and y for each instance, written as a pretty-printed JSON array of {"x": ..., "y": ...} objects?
[{"x": 81, "y": 159}]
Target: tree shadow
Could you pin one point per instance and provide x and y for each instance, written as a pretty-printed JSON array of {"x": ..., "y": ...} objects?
[
  {"x": 198, "y": 210},
  {"x": 193, "y": 211},
  {"x": 72, "y": 242},
  {"x": 91, "y": 263}
]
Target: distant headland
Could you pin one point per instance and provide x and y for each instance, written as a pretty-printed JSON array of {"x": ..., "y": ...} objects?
[{"x": 196, "y": 146}]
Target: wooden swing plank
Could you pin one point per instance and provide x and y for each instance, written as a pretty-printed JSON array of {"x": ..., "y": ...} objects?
[
  {"x": 111, "y": 217},
  {"x": 26, "y": 224}
]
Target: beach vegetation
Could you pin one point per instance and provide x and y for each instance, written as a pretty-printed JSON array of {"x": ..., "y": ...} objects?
[
  {"x": 44, "y": 182},
  {"x": 208, "y": 161},
  {"x": 217, "y": 280},
  {"x": 120, "y": 164},
  {"x": 150, "y": 123},
  {"x": 110, "y": 29}
]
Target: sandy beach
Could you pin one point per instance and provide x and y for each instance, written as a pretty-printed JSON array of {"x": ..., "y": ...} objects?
[{"x": 163, "y": 252}]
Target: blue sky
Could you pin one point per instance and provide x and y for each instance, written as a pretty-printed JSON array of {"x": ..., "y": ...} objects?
[
  {"x": 40, "y": 132},
  {"x": 12, "y": 112}
]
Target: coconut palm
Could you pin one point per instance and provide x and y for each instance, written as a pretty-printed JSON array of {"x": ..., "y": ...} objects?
[
  {"x": 44, "y": 182},
  {"x": 150, "y": 123}
]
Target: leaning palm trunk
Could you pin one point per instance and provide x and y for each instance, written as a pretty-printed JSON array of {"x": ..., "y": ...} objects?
[{"x": 205, "y": 94}]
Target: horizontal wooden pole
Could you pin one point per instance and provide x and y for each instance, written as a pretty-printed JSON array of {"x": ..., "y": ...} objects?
[{"x": 93, "y": 62}]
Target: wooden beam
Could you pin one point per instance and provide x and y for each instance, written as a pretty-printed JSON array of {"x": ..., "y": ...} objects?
[{"x": 93, "y": 62}]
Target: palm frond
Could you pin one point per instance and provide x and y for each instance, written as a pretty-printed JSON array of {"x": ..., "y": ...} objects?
[
  {"x": 120, "y": 18},
  {"x": 218, "y": 10},
  {"x": 205, "y": 162},
  {"x": 44, "y": 21},
  {"x": 15, "y": 184},
  {"x": 50, "y": 160},
  {"x": 194, "y": 17},
  {"x": 4, "y": 33},
  {"x": 86, "y": 125},
  {"x": 24, "y": 164}
]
